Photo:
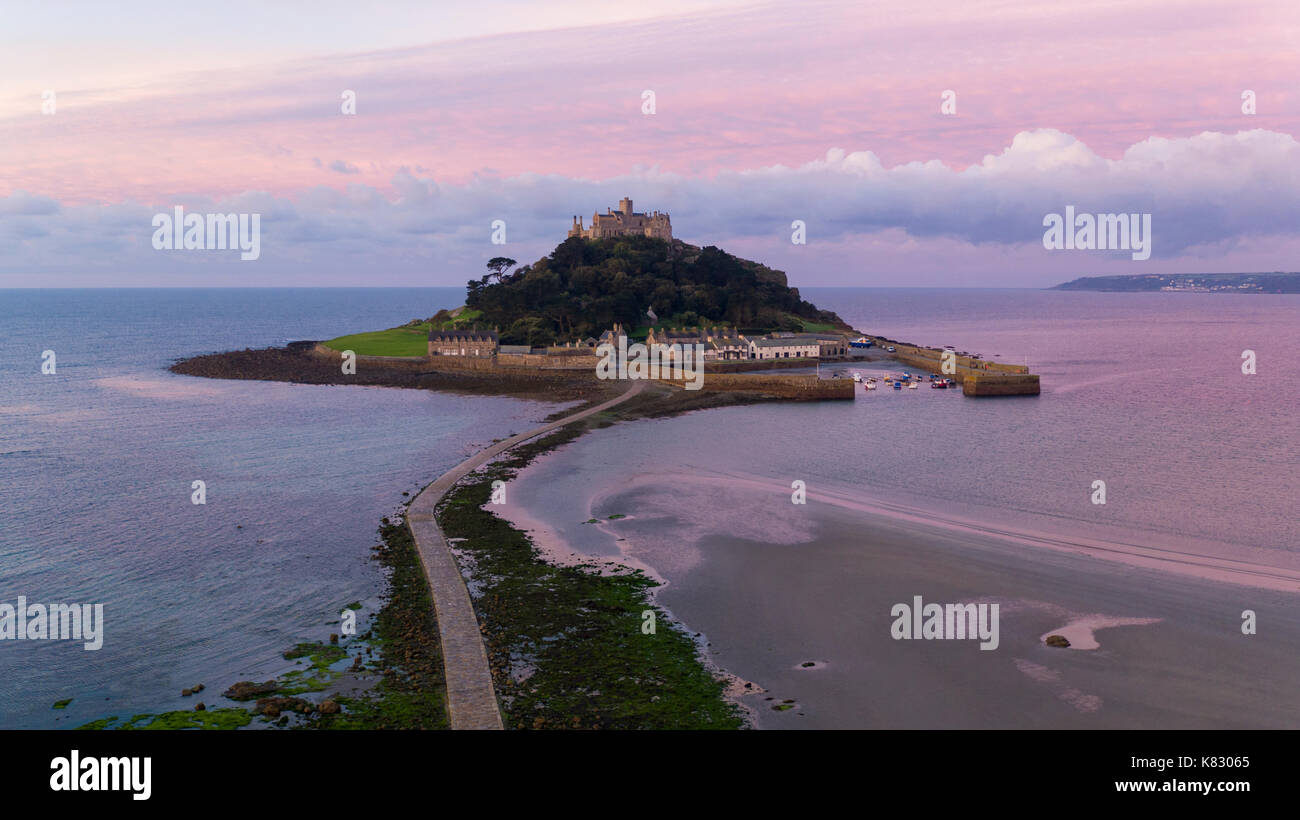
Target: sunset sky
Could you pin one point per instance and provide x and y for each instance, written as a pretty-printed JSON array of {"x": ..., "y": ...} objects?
[{"x": 468, "y": 112}]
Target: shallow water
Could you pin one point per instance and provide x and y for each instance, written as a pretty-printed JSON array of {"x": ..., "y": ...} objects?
[{"x": 97, "y": 464}]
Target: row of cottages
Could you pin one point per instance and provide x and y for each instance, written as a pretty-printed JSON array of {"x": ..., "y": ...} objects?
[
  {"x": 828, "y": 344},
  {"x": 720, "y": 344},
  {"x": 463, "y": 342},
  {"x": 784, "y": 348},
  {"x": 728, "y": 344}
]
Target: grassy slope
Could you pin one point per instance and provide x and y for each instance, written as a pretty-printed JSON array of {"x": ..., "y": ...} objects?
[
  {"x": 407, "y": 340},
  {"x": 396, "y": 341}
]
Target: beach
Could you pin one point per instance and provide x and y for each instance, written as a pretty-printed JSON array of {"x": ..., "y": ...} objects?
[{"x": 773, "y": 587}]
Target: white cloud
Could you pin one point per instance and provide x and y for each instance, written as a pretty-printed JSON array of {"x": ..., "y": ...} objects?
[{"x": 1211, "y": 190}]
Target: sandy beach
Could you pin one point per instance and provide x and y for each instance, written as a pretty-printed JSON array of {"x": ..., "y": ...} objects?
[{"x": 797, "y": 600}]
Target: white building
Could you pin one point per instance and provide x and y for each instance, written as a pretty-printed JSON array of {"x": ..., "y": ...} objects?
[{"x": 787, "y": 348}]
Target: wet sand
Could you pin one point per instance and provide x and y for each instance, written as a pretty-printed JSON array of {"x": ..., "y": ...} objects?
[{"x": 1156, "y": 638}]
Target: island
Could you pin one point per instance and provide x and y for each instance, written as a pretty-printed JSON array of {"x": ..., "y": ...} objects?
[
  {"x": 1277, "y": 282},
  {"x": 538, "y": 331}
]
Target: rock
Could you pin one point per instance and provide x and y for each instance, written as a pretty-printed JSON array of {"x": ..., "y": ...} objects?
[
  {"x": 199, "y": 688},
  {"x": 247, "y": 690},
  {"x": 807, "y": 664},
  {"x": 185, "y": 693},
  {"x": 272, "y": 707},
  {"x": 329, "y": 707},
  {"x": 334, "y": 638},
  {"x": 1057, "y": 641},
  {"x": 199, "y": 707}
]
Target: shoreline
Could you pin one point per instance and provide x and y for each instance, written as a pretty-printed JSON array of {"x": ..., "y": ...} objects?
[
  {"x": 801, "y": 609},
  {"x": 690, "y": 675}
]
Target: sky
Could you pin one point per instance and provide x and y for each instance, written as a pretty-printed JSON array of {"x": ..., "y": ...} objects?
[{"x": 831, "y": 114}]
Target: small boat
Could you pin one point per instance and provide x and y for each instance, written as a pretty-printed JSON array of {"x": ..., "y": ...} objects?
[
  {"x": 913, "y": 385},
  {"x": 898, "y": 385},
  {"x": 869, "y": 386},
  {"x": 857, "y": 377},
  {"x": 939, "y": 385}
]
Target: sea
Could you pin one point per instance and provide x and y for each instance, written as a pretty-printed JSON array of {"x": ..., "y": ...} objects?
[
  {"x": 1144, "y": 392},
  {"x": 97, "y": 468}
]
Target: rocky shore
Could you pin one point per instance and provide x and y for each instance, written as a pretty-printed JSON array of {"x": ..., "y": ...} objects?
[{"x": 294, "y": 363}]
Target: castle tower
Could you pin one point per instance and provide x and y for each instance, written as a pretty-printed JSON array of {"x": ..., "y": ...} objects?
[{"x": 625, "y": 205}]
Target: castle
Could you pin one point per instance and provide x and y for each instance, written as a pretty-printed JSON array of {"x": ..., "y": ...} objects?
[{"x": 624, "y": 222}]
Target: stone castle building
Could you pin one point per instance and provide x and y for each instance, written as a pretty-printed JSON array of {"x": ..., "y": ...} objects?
[{"x": 624, "y": 222}]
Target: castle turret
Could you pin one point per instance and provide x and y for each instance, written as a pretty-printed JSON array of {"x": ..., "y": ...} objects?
[{"x": 625, "y": 205}]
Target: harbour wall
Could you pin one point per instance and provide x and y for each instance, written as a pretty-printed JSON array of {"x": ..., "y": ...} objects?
[
  {"x": 803, "y": 387},
  {"x": 976, "y": 376},
  {"x": 1000, "y": 384}
]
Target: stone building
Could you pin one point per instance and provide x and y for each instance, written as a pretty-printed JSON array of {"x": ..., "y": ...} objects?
[
  {"x": 462, "y": 343},
  {"x": 830, "y": 344},
  {"x": 789, "y": 347},
  {"x": 613, "y": 337},
  {"x": 624, "y": 222},
  {"x": 720, "y": 344}
]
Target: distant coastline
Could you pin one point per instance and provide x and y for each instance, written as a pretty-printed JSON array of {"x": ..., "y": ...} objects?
[{"x": 1189, "y": 283}]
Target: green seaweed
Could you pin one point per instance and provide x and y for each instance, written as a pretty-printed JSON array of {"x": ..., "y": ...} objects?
[
  {"x": 189, "y": 719},
  {"x": 97, "y": 725},
  {"x": 565, "y": 643}
]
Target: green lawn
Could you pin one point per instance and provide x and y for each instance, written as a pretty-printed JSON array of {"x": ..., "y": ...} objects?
[{"x": 396, "y": 341}]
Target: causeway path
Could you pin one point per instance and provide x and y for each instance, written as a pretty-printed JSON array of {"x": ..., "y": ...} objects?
[{"x": 471, "y": 698}]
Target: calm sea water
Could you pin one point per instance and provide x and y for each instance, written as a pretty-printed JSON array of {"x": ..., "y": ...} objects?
[
  {"x": 96, "y": 465},
  {"x": 1143, "y": 391}
]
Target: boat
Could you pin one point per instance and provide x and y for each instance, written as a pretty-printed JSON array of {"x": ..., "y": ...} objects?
[
  {"x": 939, "y": 385},
  {"x": 913, "y": 385},
  {"x": 857, "y": 377},
  {"x": 898, "y": 385},
  {"x": 869, "y": 386}
]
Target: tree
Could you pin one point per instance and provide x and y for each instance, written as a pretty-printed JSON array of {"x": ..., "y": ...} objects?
[{"x": 499, "y": 265}]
